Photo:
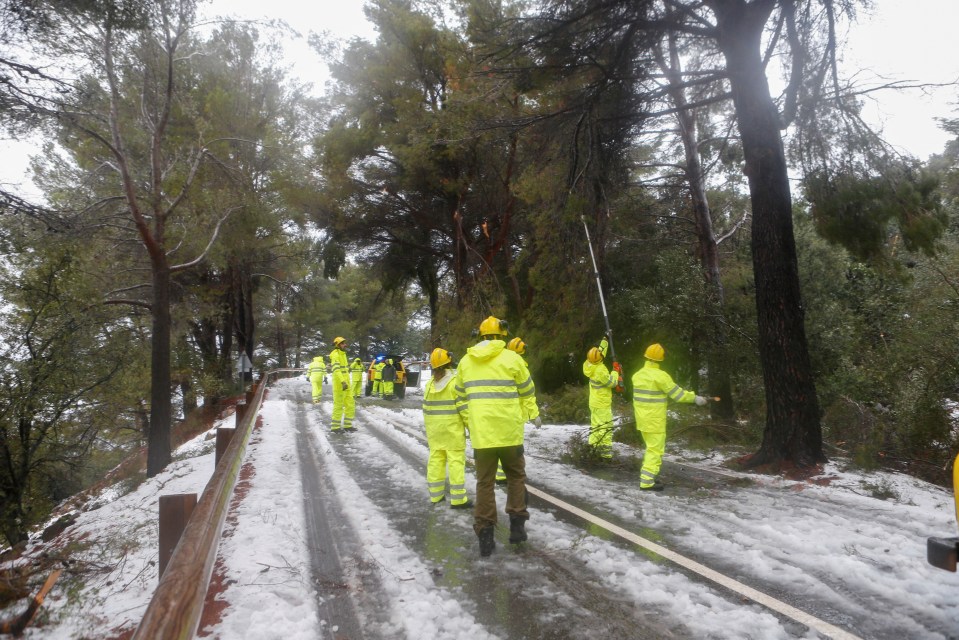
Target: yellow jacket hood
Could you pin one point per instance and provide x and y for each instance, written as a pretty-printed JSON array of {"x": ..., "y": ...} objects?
[{"x": 486, "y": 349}]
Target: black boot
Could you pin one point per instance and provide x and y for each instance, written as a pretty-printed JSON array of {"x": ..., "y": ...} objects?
[
  {"x": 486, "y": 541},
  {"x": 517, "y": 530}
]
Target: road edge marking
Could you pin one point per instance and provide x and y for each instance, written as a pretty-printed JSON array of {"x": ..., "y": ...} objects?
[{"x": 702, "y": 570}]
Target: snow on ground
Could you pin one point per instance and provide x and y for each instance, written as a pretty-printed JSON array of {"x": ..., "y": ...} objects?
[
  {"x": 837, "y": 545},
  {"x": 417, "y": 607},
  {"x": 115, "y": 571},
  {"x": 409, "y": 580},
  {"x": 268, "y": 573}
]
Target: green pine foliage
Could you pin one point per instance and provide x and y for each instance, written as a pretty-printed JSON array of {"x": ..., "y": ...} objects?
[{"x": 869, "y": 216}]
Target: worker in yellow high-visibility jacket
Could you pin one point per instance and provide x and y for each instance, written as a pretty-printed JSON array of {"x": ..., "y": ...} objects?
[
  {"x": 344, "y": 406},
  {"x": 445, "y": 418},
  {"x": 356, "y": 376},
  {"x": 315, "y": 374},
  {"x": 517, "y": 345},
  {"x": 500, "y": 397},
  {"x": 653, "y": 388},
  {"x": 388, "y": 379},
  {"x": 602, "y": 381},
  {"x": 378, "y": 378}
]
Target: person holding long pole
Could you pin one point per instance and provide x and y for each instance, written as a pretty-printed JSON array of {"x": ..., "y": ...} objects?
[{"x": 602, "y": 381}]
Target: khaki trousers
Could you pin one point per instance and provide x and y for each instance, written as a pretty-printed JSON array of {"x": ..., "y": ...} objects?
[{"x": 514, "y": 464}]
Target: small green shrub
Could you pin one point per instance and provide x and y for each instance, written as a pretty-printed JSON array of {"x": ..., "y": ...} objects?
[
  {"x": 883, "y": 489},
  {"x": 580, "y": 453}
]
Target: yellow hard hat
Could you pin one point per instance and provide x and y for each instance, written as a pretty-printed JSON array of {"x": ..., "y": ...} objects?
[
  {"x": 337, "y": 340},
  {"x": 655, "y": 352},
  {"x": 594, "y": 355},
  {"x": 439, "y": 357},
  {"x": 493, "y": 326},
  {"x": 517, "y": 345}
]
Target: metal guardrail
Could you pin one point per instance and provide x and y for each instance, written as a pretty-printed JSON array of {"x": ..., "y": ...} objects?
[{"x": 177, "y": 604}]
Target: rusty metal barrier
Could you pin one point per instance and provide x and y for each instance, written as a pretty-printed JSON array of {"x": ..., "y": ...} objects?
[{"x": 177, "y": 604}]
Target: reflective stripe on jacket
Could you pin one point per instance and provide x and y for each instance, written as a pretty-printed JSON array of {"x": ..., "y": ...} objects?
[
  {"x": 356, "y": 371},
  {"x": 378, "y": 370},
  {"x": 499, "y": 393},
  {"x": 444, "y": 414},
  {"x": 340, "y": 367},
  {"x": 653, "y": 388},
  {"x": 317, "y": 368},
  {"x": 601, "y": 384}
]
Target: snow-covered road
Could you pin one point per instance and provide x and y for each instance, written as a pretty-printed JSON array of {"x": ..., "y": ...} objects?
[
  {"x": 333, "y": 536},
  {"x": 387, "y": 564}
]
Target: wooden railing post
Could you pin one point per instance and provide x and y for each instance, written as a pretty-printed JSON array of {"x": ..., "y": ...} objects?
[
  {"x": 223, "y": 437},
  {"x": 175, "y": 609},
  {"x": 175, "y": 512},
  {"x": 240, "y": 412}
]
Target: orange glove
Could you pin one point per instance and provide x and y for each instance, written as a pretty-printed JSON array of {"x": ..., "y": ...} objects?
[{"x": 618, "y": 368}]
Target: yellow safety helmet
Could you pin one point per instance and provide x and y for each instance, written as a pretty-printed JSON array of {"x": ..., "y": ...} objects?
[
  {"x": 594, "y": 355},
  {"x": 337, "y": 340},
  {"x": 493, "y": 326},
  {"x": 439, "y": 357},
  {"x": 517, "y": 345},
  {"x": 655, "y": 352}
]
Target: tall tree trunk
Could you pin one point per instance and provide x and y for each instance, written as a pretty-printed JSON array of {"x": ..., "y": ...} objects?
[
  {"x": 793, "y": 432},
  {"x": 189, "y": 396},
  {"x": 715, "y": 303},
  {"x": 241, "y": 301},
  {"x": 226, "y": 338},
  {"x": 184, "y": 377},
  {"x": 158, "y": 440},
  {"x": 298, "y": 347},
  {"x": 278, "y": 309}
]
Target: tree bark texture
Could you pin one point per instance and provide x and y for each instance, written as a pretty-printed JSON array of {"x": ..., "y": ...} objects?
[
  {"x": 158, "y": 440},
  {"x": 716, "y": 343},
  {"x": 793, "y": 431}
]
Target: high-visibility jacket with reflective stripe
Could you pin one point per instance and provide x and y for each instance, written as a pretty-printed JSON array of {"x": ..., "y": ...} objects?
[
  {"x": 378, "y": 370},
  {"x": 653, "y": 388},
  {"x": 340, "y": 366},
  {"x": 444, "y": 414},
  {"x": 499, "y": 393},
  {"x": 317, "y": 369},
  {"x": 356, "y": 371},
  {"x": 601, "y": 384}
]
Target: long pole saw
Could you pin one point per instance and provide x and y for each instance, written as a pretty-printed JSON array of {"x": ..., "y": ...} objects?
[{"x": 602, "y": 303}]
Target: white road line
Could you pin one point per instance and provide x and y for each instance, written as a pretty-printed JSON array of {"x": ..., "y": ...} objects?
[
  {"x": 823, "y": 627},
  {"x": 759, "y": 597}
]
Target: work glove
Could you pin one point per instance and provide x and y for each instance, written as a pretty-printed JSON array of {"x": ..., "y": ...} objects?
[
  {"x": 537, "y": 422},
  {"x": 618, "y": 368},
  {"x": 700, "y": 401},
  {"x": 344, "y": 386}
]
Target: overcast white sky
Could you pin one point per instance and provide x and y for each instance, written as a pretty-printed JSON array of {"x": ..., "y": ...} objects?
[
  {"x": 909, "y": 40},
  {"x": 904, "y": 40}
]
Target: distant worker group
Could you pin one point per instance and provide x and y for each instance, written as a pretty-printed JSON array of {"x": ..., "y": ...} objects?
[{"x": 347, "y": 382}]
